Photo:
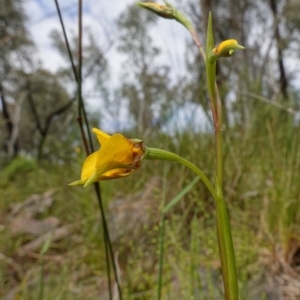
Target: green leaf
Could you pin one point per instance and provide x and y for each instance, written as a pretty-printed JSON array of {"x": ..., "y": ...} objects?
[
  {"x": 179, "y": 196},
  {"x": 46, "y": 245}
]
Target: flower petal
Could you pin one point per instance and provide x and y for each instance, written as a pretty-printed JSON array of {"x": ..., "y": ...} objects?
[
  {"x": 117, "y": 173},
  {"x": 101, "y": 136},
  {"x": 115, "y": 176},
  {"x": 89, "y": 165},
  {"x": 116, "y": 149},
  {"x": 111, "y": 166},
  {"x": 109, "y": 170}
]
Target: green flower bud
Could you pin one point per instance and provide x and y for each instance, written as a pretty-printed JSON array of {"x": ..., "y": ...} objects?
[
  {"x": 169, "y": 11},
  {"x": 164, "y": 11}
]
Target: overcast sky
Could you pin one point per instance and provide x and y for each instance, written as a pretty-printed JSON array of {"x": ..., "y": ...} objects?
[
  {"x": 100, "y": 17},
  {"x": 43, "y": 18}
]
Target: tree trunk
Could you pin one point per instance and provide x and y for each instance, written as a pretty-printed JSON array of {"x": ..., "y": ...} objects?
[
  {"x": 14, "y": 148},
  {"x": 283, "y": 80}
]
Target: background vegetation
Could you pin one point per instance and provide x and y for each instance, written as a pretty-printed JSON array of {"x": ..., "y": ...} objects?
[{"x": 41, "y": 152}]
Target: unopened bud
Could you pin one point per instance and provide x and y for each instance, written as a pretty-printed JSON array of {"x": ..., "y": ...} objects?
[
  {"x": 164, "y": 11},
  {"x": 169, "y": 11}
]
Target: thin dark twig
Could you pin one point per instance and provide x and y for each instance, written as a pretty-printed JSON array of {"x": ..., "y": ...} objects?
[
  {"x": 79, "y": 80},
  {"x": 81, "y": 108},
  {"x": 66, "y": 40},
  {"x": 104, "y": 223},
  {"x": 106, "y": 237},
  {"x": 79, "y": 77},
  {"x": 79, "y": 119},
  {"x": 108, "y": 246}
]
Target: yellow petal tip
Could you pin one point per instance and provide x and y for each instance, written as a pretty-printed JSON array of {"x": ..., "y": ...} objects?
[
  {"x": 91, "y": 180},
  {"x": 77, "y": 182}
]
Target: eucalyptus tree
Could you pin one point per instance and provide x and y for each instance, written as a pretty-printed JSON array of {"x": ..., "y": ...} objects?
[
  {"x": 146, "y": 85},
  {"x": 33, "y": 100},
  {"x": 16, "y": 47}
]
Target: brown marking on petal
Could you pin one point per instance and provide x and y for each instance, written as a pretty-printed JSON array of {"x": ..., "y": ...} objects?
[
  {"x": 216, "y": 49},
  {"x": 137, "y": 152}
]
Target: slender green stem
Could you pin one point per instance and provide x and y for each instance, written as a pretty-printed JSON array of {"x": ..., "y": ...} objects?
[
  {"x": 225, "y": 242},
  {"x": 226, "y": 252},
  {"x": 219, "y": 155},
  {"x": 219, "y": 139},
  {"x": 215, "y": 102},
  {"x": 159, "y": 154},
  {"x": 196, "y": 39},
  {"x": 202, "y": 52},
  {"x": 223, "y": 226},
  {"x": 224, "y": 236}
]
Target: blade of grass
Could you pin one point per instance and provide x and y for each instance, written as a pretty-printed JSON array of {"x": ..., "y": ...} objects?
[
  {"x": 181, "y": 194},
  {"x": 45, "y": 248},
  {"x": 162, "y": 237},
  {"x": 161, "y": 254}
]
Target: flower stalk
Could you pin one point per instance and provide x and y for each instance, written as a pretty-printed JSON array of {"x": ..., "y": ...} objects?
[
  {"x": 169, "y": 11},
  {"x": 226, "y": 249},
  {"x": 159, "y": 154}
]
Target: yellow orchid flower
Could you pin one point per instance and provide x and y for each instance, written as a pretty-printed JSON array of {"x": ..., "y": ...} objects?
[
  {"x": 118, "y": 157},
  {"x": 226, "y": 48}
]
